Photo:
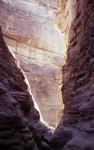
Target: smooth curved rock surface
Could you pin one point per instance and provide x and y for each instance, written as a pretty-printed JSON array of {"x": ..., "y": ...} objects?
[{"x": 29, "y": 29}]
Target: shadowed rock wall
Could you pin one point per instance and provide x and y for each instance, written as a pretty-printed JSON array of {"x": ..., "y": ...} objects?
[
  {"x": 18, "y": 116},
  {"x": 29, "y": 30},
  {"x": 75, "y": 131},
  {"x": 76, "y": 20}
]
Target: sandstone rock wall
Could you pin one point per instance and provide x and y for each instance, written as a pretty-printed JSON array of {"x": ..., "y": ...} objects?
[
  {"x": 75, "y": 18},
  {"x": 30, "y": 32},
  {"x": 18, "y": 116},
  {"x": 75, "y": 131}
]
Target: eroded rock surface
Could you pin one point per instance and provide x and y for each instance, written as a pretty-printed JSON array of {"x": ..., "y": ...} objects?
[
  {"x": 18, "y": 116},
  {"x": 76, "y": 21},
  {"x": 75, "y": 131},
  {"x": 30, "y": 32}
]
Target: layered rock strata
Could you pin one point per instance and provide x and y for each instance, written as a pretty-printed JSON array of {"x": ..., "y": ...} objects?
[
  {"x": 29, "y": 30},
  {"x": 18, "y": 116},
  {"x": 75, "y": 131}
]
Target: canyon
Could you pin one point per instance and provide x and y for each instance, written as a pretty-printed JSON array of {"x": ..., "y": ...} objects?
[
  {"x": 29, "y": 30},
  {"x": 34, "y": 66}
]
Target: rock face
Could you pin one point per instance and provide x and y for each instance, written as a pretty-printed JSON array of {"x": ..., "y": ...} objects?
[
  {"x": 29, "y": 30},
  {"x": 18, "y": 116},
  {"x": 75, "y": 131}
]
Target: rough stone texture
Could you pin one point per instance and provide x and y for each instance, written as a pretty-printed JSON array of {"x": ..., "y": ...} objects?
[
  {"x": 30, "y": 32},
  {"x": 76, "y": 129},
  {"x": 18, "y": 116}
]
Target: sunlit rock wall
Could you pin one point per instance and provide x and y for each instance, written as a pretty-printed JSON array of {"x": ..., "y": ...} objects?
[
  {"x": 76, "y": 21},
  {"x": 31, "y": 34}
]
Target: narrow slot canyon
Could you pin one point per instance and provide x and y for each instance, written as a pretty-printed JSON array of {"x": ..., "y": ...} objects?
[{"x": 46, "y": 74}]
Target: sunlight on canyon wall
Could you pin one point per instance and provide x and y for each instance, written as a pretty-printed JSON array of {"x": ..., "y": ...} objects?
[{"x": 30, "y": 31}]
